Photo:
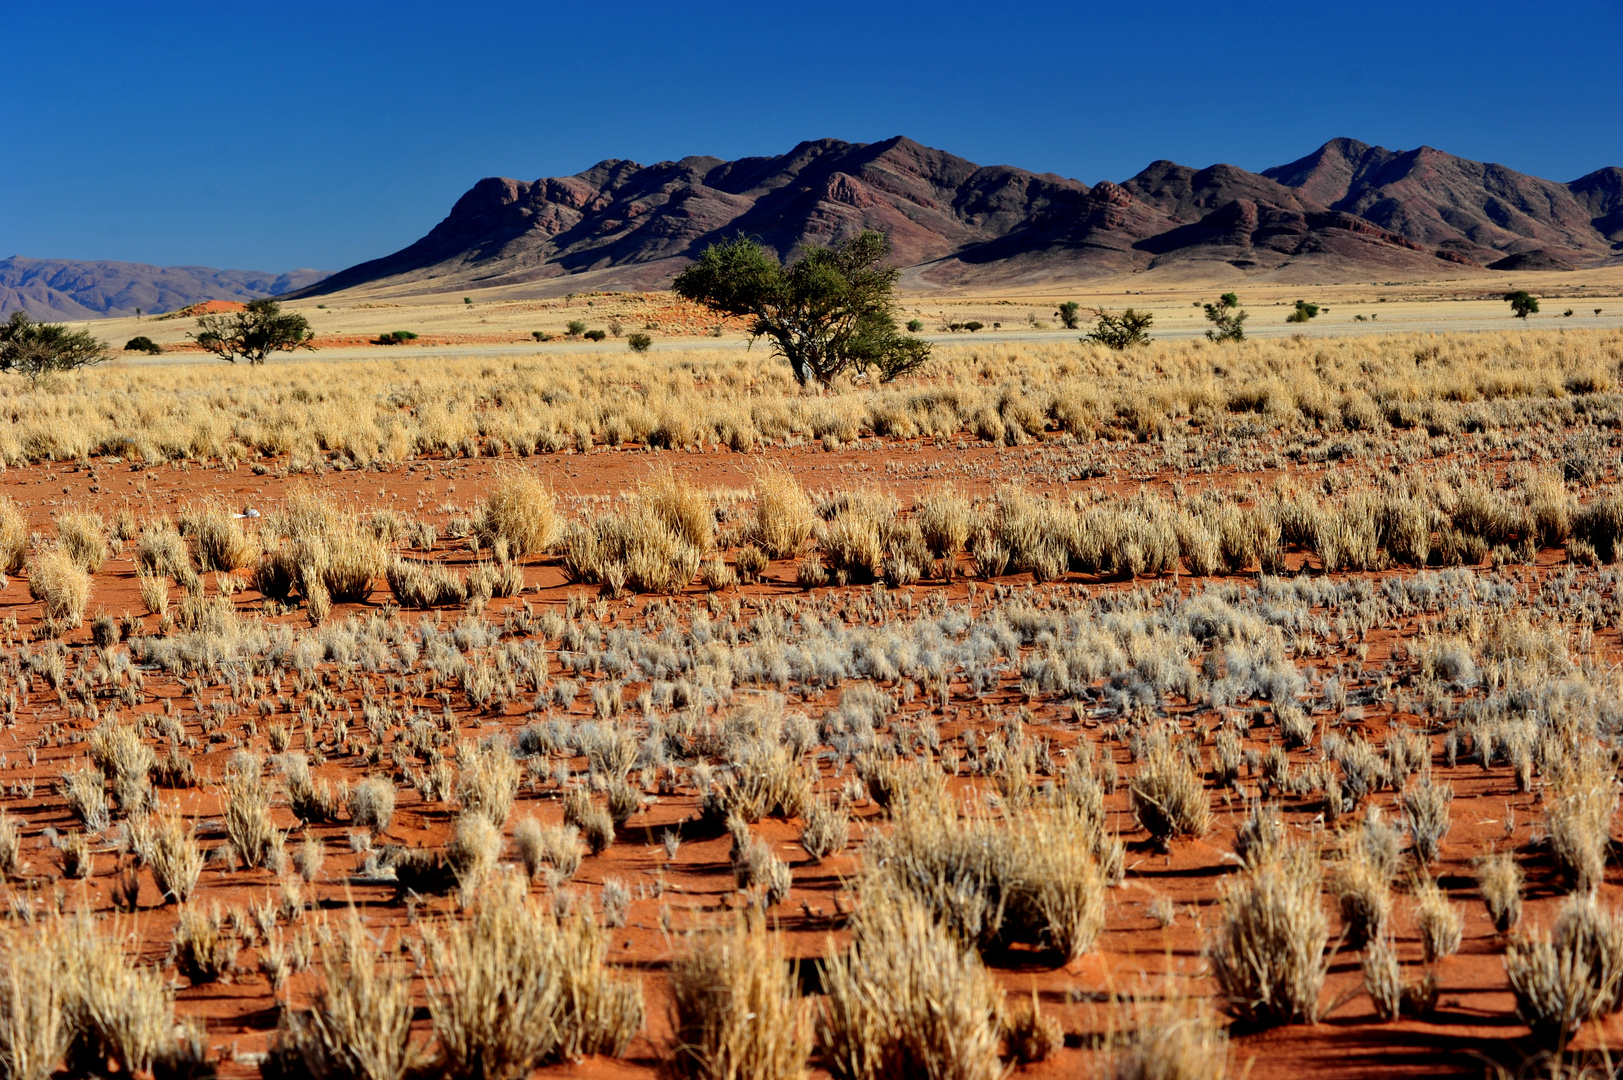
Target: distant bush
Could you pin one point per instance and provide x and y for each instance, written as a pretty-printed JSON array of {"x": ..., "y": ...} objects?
[
  {"x": 973, "y": 326},
  {"x": 615, "y": 327},
  {"x": 1120, "y": 331},
  {"x": 1067, "y": 313},
  {"x": 915, "y": 325},
  {"x": 143, "y": 344},
  {"x": 639, "y": 342},
  {"x": 576, "y": 327},
  {"x": 594, "y": 335},
  {"x": 394, "y": 337},
  {"x": 1304, "y": 311},
  {"x": 1227, "y": 319},
  {"x": 540, "y": 335}
]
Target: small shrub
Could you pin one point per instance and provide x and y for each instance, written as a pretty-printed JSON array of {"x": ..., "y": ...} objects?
[
  {"x": 143, "y": 344},
  {"x": 639, "y": 342}
]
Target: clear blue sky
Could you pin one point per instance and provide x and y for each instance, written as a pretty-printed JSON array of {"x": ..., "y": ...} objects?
[{"x": 270, "y": 136}]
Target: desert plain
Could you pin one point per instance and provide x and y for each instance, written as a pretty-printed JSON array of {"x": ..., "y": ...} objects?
[{"x": 1105, "y": 658}]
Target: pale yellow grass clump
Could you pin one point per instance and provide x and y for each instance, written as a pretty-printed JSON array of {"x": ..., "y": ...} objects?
[
  {"x": 784, "y": 514},
  {"x": 13, "y": 536},
  {"x": 218, "y": 537},
  {"x": 83, "y": 535},
  {"x": 520, "y": 510},
  {"x": 735, "y": 1008},
  {"x": 59, "y": 582}
]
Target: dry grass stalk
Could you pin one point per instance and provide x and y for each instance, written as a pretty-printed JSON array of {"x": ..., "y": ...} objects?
[
  {"x": 13, "y": 536},
  {"x": 1500, "y": 879},
  {"x": 116, "y": 1008}
]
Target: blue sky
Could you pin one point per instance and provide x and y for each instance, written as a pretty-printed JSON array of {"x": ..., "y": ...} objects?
[{"x": 267, "y": 137}]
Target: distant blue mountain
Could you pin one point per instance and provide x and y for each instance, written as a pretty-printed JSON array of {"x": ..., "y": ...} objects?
[{"x": 70, "y": 289}]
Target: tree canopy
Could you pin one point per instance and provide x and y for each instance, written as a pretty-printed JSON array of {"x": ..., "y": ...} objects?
[
  {"x": 253, "y": 334},
  {"x": 829, "y": 312},
  {"x": 35, "y": 350},
  {"x": 1522, "y": 303}
]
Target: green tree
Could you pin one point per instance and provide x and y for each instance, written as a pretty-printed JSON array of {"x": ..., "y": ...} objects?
[
  {"x": 143, "y": 344},
  {"x": 1068, "y": 313},
  {"x": 1120, "y": 331},
  {"x": 1227, "y": 319},
  {"x": 36, "y": 350},
  {"x": 1304, "y": 311},
  {"x": 831, "y": 311},
  {"x": 1522, "y": 303},
  {"x": 254, "y": 333}
]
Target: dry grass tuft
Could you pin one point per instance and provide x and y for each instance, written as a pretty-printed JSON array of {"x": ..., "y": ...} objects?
[
  {"x": 1571, "y": 976},
  {"x": 908, "y": 998},
  {"x": 784, "y": 514},
  {"x": 204, "y": 949},
  {"x": 1268, "y": 954},
  {"x": 488, "y": 781},
  {"x": 359, "y": 1024},
  {"x": 217, "y": 537},
  {"x": 83, "y": 535},
  {"x": 13, "y": 536},
  {"x": 1168, "y": 794},
  {"x": 1500, "y": 878},
  {"x": 510, "y": 988},
  {"x": 57, "y": 580},
  {"x": 34, "y": 1030},
  {"x": 520, "y": 510},
  {"x": 735, "y": 1010},
  {"x": 1170, "y": 1035}
]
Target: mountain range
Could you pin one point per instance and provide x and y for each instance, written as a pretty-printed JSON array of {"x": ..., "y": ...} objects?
[
  {"x": 69, "y": 289},
  {"x": 1347, "y": 211}
]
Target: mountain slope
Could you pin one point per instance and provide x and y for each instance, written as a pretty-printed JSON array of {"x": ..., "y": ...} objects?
[
  {"x": 68, "y": 289},
  {"x": 1347, "y": 211},
  {"x": 1481, "y": 211}
]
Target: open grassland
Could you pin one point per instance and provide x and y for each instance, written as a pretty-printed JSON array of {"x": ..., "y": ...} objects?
[{"x": 1193, "y": 711}]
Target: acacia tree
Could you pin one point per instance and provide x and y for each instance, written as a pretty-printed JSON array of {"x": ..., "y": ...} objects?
[
  {"x": 1522, "y": 303},
  {"x": 829, "y": 312},
  {"x": 254, "y": 333},
  {"x": 35, "y": 350}
]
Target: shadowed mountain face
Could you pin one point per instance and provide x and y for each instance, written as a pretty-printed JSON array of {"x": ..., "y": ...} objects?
[
  {"x": 65, "y": 289},
  {"x": 1346, "y": 211}
]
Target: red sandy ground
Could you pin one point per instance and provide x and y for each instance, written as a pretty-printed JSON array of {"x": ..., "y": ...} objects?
[{"x": 1475, "y": 1017}]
